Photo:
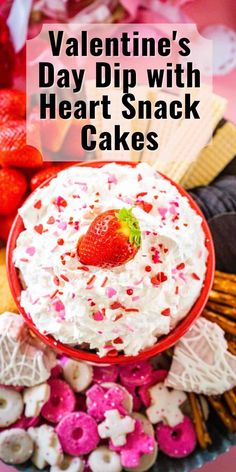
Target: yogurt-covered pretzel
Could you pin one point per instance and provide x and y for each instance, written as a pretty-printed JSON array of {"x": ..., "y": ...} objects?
[
  {"x": 103, "y": 459},
  {"x": 11, "y": 406},
  {"x": 69, "y": 464},
  {"x": 16, "y": 446},
  {"x": 79, "y": 375}
]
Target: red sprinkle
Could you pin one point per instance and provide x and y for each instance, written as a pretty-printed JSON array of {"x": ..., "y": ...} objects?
[
  {"x": 165, "y": 312},
  {"x": 51, "y": 220},
  {"x": 91, "y": 280},
  {"x": 195, "y": 276},
  {"x": 118, "y": 341},
  {"x": 141, "y": 194},
  {"x": 118, "y": 317},
  {"x": 84, "y": 268},
  {"x": 56, "y": 280},
  {"x": 180, "y": 266},
  {"x": 60, "y": 242},
  {"x": 104, "y": 282},
  {"x": 64, "y": 278},
  {"x": 116, "y": 305},
  {"x": 38, "y": 205},
  {"x": 176, "y": 290},
  {"x": 139, "y": 177},
  {"x": 129, "y": 310},
  {"x": 159, "y": 278},
  {"x": 148, "y": 268},
  {"x": 39, "y": 229},
  {"x": 54, "y": 294},
  {"x": 129, "y": 291}
]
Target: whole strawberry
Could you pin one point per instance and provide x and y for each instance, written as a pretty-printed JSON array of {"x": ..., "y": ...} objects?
[
  {"x": 12, "y": 105},
  {"x": 112, "y": 239},
  {"x": 13, "y": 187}
]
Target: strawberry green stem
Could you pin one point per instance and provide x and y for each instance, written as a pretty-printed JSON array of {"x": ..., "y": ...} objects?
[{"x": 125, "y": 215}]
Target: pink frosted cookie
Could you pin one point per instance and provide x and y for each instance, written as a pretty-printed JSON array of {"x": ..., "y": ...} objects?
[
  {"x": 78, "y": 433},
  {"x": 137, "y": 444},
  {"x": 156, "y": 377},
  {"x": 136, "y": 373},
  {"x": 100, "y": 399},
  {"x": 61, "y": 401},
  {"x": 25, "y": 361},
  {"x": 105, "y": 373},
  {"x": 177, "y": 441},
  {"x": 201, "y": 361}
]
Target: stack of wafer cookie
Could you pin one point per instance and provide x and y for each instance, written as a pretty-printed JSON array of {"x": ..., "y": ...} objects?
[{"x": 191, "y": 162}]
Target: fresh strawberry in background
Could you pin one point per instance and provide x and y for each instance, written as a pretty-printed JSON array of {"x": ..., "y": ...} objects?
[
  {"x": 13, "y": 149},
  {"x": 7, "y": 56},
  {"x": 12, "y": 105},
  {"x": 13, "y": 186},
  {"x": 5, "y": 225},
  {"x": 112, "y": 239}
]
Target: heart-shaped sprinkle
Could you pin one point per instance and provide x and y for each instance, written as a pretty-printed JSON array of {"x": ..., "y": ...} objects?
[
  {"x": 51, "y": 220},
  {"x": 38, "y": 229}
]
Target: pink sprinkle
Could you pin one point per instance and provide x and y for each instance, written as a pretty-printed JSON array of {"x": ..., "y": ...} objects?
[
  {"x": 163, "y": 211},
  {"x": 156, "y": 257},
  {"x": 147, "y": 233},
  {"x": 112, "y": 179},
  {"x": 60, "y": 308},
  {"x": 31, "y": 250},
  {"x": 182, "y": 276},
  {"x": 62, "y": 225},
  {"x": 98, "y": 316},
  {"x": 138, "y": 282},
  {"x": 110, "y": 292},
  {"x": 134, "y": 299},
  {"x": 173, "y": 210}
]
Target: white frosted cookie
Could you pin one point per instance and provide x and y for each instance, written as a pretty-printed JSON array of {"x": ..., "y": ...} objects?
[
  {"x": 165, "y": 405},
  {"x": 47, "y": 446},
  {"x": 34, "y": 399},
  {"x": 24, "y": 361},
  {"x": 201, "y": 361}
]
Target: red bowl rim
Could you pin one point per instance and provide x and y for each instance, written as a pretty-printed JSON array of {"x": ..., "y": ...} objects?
[{"x": 165, "y": 342}]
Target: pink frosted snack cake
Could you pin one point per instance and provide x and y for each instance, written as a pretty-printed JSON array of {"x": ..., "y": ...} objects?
[{"x": 81, "y": 294}]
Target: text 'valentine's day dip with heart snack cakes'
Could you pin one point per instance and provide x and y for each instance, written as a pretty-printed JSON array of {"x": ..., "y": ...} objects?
[{"x": 110, "y": 258}]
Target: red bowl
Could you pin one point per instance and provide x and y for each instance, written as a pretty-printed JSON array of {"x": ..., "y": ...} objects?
[{"x": 164, "y": 342}]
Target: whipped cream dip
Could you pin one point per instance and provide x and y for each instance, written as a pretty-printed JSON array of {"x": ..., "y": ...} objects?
[{"x": 124, "y": 308}]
